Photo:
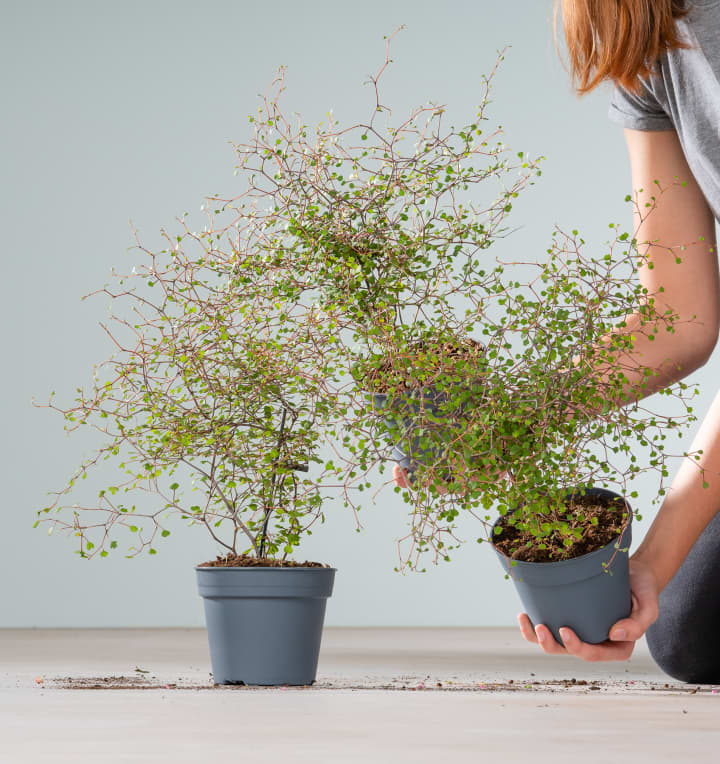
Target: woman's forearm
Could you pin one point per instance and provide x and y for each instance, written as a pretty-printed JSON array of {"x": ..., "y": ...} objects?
[
  {"x": 688, "y": 506},
  {"x": 670, "y": 356}
]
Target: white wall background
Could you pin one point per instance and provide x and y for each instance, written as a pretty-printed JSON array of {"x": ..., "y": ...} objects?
[{"x": 123, "y": 110}]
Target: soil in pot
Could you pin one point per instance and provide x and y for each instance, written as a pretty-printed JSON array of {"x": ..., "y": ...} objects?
[
  {"x": 248, "y": 561},
  {"x": 421, "y": 365},
  {"x": 600, "y": 520}
]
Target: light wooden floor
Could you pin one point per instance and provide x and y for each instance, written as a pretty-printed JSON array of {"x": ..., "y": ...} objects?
[{"x": 395, "y": 695}]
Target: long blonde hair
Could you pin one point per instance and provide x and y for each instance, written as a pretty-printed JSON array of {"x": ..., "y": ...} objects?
[{"x": 619, "y": 40}]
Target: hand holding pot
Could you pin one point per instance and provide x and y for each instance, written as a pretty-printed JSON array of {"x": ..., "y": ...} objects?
[
  {"x": 402, "y": 479},
  {"x": 400, "y": 476},
  {"x": 623, "y": 635}
]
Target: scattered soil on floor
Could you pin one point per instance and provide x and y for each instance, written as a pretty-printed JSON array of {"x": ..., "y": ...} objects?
[
  {"x": 522, "y": 545},
  {"x": 398, "y": 684},
  {"x": 397, "y": 371},
  {"x": 111, "y": 683},
  {"x": 248, "y": 561}
]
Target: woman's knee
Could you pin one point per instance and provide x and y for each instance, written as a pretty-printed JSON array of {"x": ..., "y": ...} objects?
[{"x": 684, "y": 655}]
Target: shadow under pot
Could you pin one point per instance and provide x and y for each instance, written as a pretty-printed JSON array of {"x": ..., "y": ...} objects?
[
  {"x": 264, "y": 624},
  {"x": 419, "y": 423},
  {"x": 580, "y": 593}
]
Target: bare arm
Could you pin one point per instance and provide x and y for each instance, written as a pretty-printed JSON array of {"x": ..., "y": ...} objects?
[
  {"x": 682, "y": 218},
  {"x": 688, "y": 506},
  {"x": 692, "y": 288}
]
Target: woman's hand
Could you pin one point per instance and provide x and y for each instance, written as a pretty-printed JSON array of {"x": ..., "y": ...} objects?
[
  {"x": 400, "y": 476},
  {"x": 623, "y": 635}
]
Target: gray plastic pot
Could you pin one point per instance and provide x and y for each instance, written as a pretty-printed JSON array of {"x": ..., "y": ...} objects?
[
  {"x": 400, "y": 413},
  {"x": 264, "y": 624},
  {"x": 578, "y": 593}
]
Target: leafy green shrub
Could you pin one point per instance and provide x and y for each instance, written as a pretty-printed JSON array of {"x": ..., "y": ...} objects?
[{"x": 356, "y": 262}]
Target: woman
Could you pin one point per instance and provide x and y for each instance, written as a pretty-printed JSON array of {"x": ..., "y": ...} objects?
[{"x": 663, "y": 57}]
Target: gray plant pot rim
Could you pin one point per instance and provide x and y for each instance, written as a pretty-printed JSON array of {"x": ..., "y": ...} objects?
[
  {"x": 573, "y": 560},
  {"x": 259, "y": 583},
  {"x": 568, "y": 562}
]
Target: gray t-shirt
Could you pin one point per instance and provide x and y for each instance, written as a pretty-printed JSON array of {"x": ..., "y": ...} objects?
[{"x": 683, "y": 94}]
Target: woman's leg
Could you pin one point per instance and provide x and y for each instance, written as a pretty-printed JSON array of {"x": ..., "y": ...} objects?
[{"x": 683, "y": 641}]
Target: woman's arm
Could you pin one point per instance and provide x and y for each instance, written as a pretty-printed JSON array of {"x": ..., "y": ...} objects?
[
  {"x": 688, "y": 506},
  {"x": 691, "y": 288}
]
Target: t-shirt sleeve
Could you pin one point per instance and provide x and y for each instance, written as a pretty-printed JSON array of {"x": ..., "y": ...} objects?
[{"x": 638, "y": 112}]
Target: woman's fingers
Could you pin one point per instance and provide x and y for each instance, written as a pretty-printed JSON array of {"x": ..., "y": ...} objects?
[
  {"x": 526, "y": 628},
  {"x": 400, "y": 476},
  {"x": 605, "y": 651},
  {"x": 572, "y": 644},
  {"x": 547, "y": 641},
  {"x": 539, "y": 635}
]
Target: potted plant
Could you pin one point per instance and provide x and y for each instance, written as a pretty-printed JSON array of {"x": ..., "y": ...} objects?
[
  {"x": 349, "y": 305},
  {"x": 214, "y": 403},
  {"x": 504, "y": 386},
  {"x": 555, "y": 436},
  {"x": 354, "y": 221},
  {"x": 557, "y": 433}
]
